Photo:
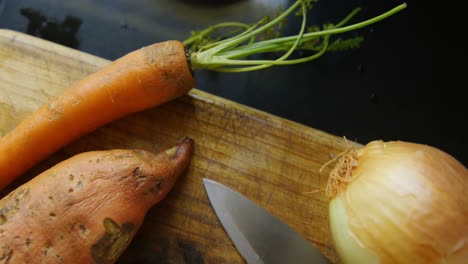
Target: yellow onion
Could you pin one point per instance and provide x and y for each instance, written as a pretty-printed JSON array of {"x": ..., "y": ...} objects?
[{"x": 399, "y": 202}]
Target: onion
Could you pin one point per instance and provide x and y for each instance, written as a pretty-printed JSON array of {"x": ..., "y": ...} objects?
[{"x": 399, "y": 202}]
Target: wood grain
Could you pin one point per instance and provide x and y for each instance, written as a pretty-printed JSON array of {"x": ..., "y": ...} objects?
[{"x": 273, "y": 161}]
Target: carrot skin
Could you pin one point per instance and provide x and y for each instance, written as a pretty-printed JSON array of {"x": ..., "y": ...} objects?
[
  {"x": 88, "y": 208},
  {"x": 139, "y": 80}
]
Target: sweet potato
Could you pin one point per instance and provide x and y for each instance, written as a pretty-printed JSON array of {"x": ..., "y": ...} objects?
[{"x": 87, "y": 208}]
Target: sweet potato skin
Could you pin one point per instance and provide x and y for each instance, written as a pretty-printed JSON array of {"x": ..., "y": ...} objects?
[{"x": 88, "y": 208}]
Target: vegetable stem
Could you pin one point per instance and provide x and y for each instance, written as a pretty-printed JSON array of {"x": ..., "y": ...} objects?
[
  {"x": 273, "y": 43},
  {"x": 238, "y": 40},
  {"x": 236, "y": 53},
  {"x": 206, "y": 32}
]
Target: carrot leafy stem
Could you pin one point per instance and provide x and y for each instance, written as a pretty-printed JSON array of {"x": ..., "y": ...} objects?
[{"x": 234, "y": 51}]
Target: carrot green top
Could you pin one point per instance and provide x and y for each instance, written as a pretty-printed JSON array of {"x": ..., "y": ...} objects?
[{"x": 232, "y": 52}]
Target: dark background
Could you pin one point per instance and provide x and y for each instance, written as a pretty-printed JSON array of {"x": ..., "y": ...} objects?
[{"x": 383, "y": 90}]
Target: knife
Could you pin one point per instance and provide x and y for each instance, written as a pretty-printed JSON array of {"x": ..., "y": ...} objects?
[{"x": 258, "y": 235}]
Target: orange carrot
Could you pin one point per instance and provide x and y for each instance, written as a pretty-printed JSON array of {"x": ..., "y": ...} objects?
[
  {"x": 142, "y": 79},
  {"x": 88, "y": 208}
]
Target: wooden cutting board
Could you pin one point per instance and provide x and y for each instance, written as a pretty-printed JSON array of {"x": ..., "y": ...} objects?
[{"x": 273, "y": 161}]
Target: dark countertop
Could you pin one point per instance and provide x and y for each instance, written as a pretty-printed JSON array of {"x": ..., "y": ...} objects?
[{"x": 383, "y": 90}]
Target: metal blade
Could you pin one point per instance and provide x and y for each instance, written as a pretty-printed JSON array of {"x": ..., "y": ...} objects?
[{"x": 259, "y": 236}]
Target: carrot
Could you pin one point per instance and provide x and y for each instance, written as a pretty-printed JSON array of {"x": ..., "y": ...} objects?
[
  {"x": 142, "y": 79},
  {"x": 156, "y": 74},
  {"x": 87, "y": 208}
]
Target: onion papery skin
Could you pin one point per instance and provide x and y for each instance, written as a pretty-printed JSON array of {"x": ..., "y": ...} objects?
[{"x": 406, "y": 203}]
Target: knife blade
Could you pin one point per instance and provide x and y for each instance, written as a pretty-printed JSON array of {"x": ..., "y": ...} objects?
[{"x": 258, "y": 235}]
